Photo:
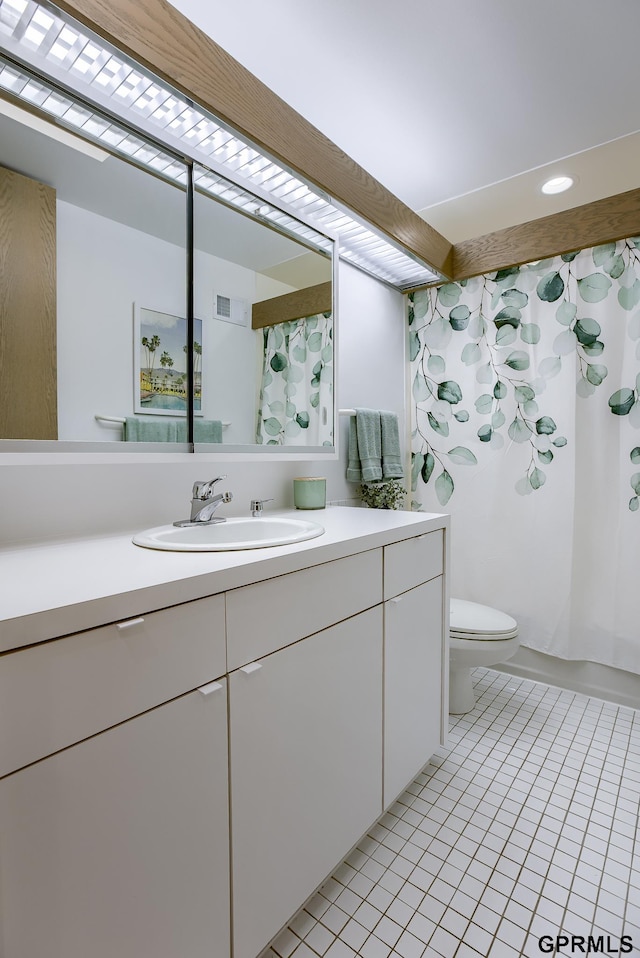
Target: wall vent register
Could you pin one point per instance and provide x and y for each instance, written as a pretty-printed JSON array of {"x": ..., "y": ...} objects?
[{"x": 230, "y": 310}]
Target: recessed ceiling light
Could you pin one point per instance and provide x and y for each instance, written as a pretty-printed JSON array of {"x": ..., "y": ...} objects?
[{"x": 557, "y": 184}]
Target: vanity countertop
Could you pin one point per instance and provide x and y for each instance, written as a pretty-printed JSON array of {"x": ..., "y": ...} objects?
[{"x": 54, "y": 588}]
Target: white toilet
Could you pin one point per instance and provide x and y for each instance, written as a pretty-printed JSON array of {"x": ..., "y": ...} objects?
[{"x": 478, "y": 635}]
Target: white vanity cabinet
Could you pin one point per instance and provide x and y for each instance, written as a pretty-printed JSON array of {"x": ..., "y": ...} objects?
[
  {"x": 306, "y": 767},
  {"x": 414, "y": 658},
  {"x": 412, "y": 683},
  {"x": 178, "y": 783},
  {"x": 118, "y": 844},
  {"x": 305, "y": 723}
]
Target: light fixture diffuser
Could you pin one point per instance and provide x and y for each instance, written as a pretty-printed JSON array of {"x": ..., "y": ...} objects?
[
  {"x": 53, "y": 44},
  {"x": 54, "y": 132}
]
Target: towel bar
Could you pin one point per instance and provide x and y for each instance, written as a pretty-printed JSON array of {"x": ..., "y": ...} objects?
[{"x": 120, "y": 420}]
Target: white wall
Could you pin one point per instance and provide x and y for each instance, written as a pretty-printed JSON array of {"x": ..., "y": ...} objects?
[
  {"x": 100, "y": 279},
  {"x": 371, "y": 360},
  {"x": 103, "y": 269},
  {"x": 65, "y": 499},
  {"x": 231, "y": 354}
]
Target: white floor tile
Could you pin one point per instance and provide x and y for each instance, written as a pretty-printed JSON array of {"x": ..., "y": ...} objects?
[
  {"x": 286, "y": 943},
  {"x": 367, "y": 915},
  {"x": 388, "y": 931},
  {"x": 354, "y": 934},
  {"x": 443, "y": 942},
  {"x": 302, "y": 924},
  {"x": 522, "y": 827},
  {"x": 487, "y": 918},
  {"x": 408, "y": 946},
  {"x": 422, "y": 927},
  {"x": 400, "y": 912},
  {"x": 380, "y": 898},
  {"x": 303, "y": 951},
  {"x": 320, "y": 939},
  {"x": 334, "y": 919},
  {"x": 374, "y": 948}
]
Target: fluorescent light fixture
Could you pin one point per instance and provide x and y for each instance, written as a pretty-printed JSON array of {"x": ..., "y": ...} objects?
[
  {"x": 53, "y": 132},
  {"x": 557, "y": 184},
  {"x": 55, "y": 46}
]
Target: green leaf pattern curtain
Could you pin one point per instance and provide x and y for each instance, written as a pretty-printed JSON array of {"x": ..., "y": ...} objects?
[
  {"x": 296, "y": 395},
  {"x": 526, "y": 427}
]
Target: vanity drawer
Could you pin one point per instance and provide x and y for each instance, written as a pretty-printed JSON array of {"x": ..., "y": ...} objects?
[
  {"x": 59, "y": 692},
  {"x": 270, "y": 615},
  {"x": 412, "y": 561}
]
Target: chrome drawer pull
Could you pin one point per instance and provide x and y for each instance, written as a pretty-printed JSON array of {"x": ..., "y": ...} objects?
[
  {"x": 121, "y": 626},
  {"x": 211, "y": 687},
  {"x": 251, "y": 667}
]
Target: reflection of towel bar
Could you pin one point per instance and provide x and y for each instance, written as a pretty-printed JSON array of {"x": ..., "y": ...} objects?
[{"x": 120, "y": 420}]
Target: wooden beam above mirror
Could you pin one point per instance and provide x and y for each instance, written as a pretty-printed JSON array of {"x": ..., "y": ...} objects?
[
  {"x": 158, "y": 36},
  {"x": 290, "y": 306}
]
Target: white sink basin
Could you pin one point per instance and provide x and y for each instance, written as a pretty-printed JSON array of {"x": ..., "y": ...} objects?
[{"x": 239, "y": 533}]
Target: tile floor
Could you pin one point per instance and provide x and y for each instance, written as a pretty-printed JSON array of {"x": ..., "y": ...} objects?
[{"x": 525, "y": 826}]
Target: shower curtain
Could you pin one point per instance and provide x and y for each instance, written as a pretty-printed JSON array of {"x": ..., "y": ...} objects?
[
  {"x": 296, "y": 394},
  {"x": 526, "y": 428}
]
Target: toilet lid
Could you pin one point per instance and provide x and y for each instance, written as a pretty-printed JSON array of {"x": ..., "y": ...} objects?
[{"x": 471, "y": 620}]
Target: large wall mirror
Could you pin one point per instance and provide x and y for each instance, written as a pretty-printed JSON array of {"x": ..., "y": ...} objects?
[{"x": 93, "y": 306}]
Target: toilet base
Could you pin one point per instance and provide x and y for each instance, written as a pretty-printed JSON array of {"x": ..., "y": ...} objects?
[{"x": 461, "y": 695}]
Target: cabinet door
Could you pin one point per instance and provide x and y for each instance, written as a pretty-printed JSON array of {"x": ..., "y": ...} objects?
[
  {"x": 306, "y": 770},
  {"x": 413, "y": 649},
  {"x": 118, "y": 846}
]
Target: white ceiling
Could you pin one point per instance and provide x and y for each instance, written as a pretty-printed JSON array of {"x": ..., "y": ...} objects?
[{"x": 461, "y": 107}]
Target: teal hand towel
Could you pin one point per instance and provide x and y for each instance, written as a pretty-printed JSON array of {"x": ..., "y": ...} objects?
[
  {"x": 354, "y": 469},
  {"x": 149, "y": 430},
  {"x": 369, "y": 444},
  {"x": 390, "y": 441},
  {"x": 204, "y": 430},
  {"x": 207, "y": 430}
]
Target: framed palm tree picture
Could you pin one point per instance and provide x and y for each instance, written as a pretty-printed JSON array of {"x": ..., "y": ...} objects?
[{"x": 160, "y": 363}]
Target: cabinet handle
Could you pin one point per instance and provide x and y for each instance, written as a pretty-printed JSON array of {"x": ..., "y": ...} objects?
[
  {"x": 211, "y": 687},
  {"x": 121, "y": 626},
  {"x": 251, "y": 667},
  {"x": 395, "y": 601}
]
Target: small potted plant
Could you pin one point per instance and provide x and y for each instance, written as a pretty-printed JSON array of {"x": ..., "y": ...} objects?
[{"x": 387, "y": 494}]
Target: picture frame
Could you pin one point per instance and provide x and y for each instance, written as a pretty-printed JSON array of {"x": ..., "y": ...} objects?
[{"x": 160, "y": 363}]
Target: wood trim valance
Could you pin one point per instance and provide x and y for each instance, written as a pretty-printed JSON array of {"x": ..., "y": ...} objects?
[
  {"x": 603, "y": 221},
  {"x": 283, "y": 309},
  {"x": 159, "y": 37}
]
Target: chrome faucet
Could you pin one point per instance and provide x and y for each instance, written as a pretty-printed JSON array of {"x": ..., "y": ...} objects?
[{"x": 204, "y": 503}]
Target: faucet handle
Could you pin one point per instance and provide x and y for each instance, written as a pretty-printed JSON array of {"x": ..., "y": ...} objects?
[
  {"x": 202, "y": 490},
  {"x": 256, "y": 506}
]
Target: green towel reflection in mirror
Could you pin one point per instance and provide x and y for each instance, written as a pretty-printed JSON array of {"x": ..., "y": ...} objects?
[{"x": 171, "y": 430}]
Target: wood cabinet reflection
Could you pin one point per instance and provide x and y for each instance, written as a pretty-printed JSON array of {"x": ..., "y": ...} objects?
[{"x": 28, "y": 389}]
